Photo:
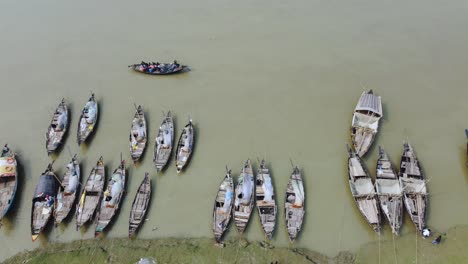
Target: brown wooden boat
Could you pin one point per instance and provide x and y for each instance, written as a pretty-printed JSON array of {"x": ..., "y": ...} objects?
[
  {"x": 294, "y": 204},
  {"x": 244, "y": 197},
  {"x": 88, "y": 120},
  {"x": 164, "y": 142},
  {"x": 91, "y": 194},
  {"x": 413, "y": 184},
  {"x": 138, "y": 136},
  {"x": 8, "y": 180},
  {"x": 57, "y": 128},
  {"x": 222, "y": 210},
  {"x": 389, "y": 191},
  {"x": 158, "y": 68},
  {"x": 363, "y": 190},
  {"x": 66, "y": 194},
  {"x": 185, "y": 146},
  {"x": 139, "y": 206},
  {"x": 43, "y": 201},
  {"x": 265, "y": 200}
]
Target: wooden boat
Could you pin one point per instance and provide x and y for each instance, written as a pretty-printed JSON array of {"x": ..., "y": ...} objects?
[
  {"x": 8, "y": 180},
  {"x": 138, "y": 135},
  {"x": 365, "y": 122},
  {"x": 164, "y": 142},
  {"x": 91, "y": 194},
  {"x": 112, "y": 198},
  {"x": 58, "y": 127},
  {"x": 389, "y": 191},
  {"x": 185, "y": 146},
  {"x": 265, "y": 200},
  {"x": 66, "y": 194},
  {"x": 43, "y": 201},
  {"x": 88, "y": 119},
  {"x": 363, "y": 190},
  {"x": 466, "y": 133},
  {"x": 222, "y": 209},
  {"x": 158, "y": 68},
  {"x": 294, "y": 204},
  {"x": 244, "y": 199},
  {"x": 413, "y": 183},
  {"x": 139, "y": 205}
]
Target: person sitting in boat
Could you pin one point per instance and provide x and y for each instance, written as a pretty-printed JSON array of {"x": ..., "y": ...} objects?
[
  {"x": 49, "y": 200},
  {"x": 107, "y": 196}
]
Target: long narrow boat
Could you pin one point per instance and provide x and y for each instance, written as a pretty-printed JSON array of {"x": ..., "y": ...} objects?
[
  {"x": 43, "y": 201},
  {"x": 91, "y": 194},
  {"x": 185, "y": 146},
  {"x": 164, "y": 142},
  {"x": 158, "y": 68},
  {"x": 112, "y": 198},
  {"x": 88, "y": 119},
  {"x": 414, "y": 187},
  {"x": 294, "y": 204},
  {"x": 466, "y": 134},
  {"x": 66, "y": 194},
  {"x": 8, "y": 180},
  {"x": 138, "y": 135},
  {"x": 389, "y": 191},
  {"x": 363, "y": 190},
  {"x": 139, "y": 205},
  {"x": 222, "y": 209},
  {"x": 265, "y": 200},
  {"x": 244, "y": 199},
  {"x": 57, "y": 128},
  {"x": 365, "y": 123}
]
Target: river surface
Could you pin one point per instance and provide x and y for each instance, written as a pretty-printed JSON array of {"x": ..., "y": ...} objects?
[{"x": 269, "y": 79}]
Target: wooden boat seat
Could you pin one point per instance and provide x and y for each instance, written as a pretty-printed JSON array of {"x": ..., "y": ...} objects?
[
  {"x": 388, "y": 187},
  {"x": 413, "y": 186},
  {"x": 361, "y": 187}
]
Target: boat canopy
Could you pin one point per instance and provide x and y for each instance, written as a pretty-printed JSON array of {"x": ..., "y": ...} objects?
[
  {"x": 46, "y": 185},
  {"x": 370, "y": 102}
]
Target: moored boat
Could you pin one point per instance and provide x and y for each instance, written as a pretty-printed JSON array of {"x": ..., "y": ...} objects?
[
  {"x": 363, "y": 190},
  {"x": 43, "y": 201},
  {"x": 185, "y": 146},
  {"x": 88, "y": 120},
  {"x": 57, "y": 128},
  {"x": 8, "y": 180},
  {"x": 222, "y": 209},
  {"x": 139, "y": 205},
  {"x": 244, "y": 197},
  {"x": 138, "y": 136},
  {"x": 164, "y": 142},
  {"x": 365, "y": 123},
  {"x": 389, "y": 191},
  {"x": 265, "y": 200},
  {"x": 91, "y": 194},
  {"x": 66, "y": 194},
  {"x": 156, "y": 68},
  {"x": 413, "y": 184},
  {"x": 294, "y": 204},
  {"x": 112, "y": 198}
]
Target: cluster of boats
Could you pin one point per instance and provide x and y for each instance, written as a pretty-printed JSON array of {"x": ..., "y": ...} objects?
[
  {"x": 239, "y": 202},
  {"x": 391, "y": 189}
]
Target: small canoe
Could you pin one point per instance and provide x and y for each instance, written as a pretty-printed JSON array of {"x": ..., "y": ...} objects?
[
  {"x": 185, "y": 146},
  {"x": 294, "y": 204},
  {"x": 8, "y": 180},
  {"x": 158, "y": 68},
  {"x": 363, "y": 190},
  {"x": 164, "y": 142},
  {"x": 413, "y": 183},
  {"x": 138, "y": 135},
  {"x": 88, "y": 119},
  {"x": 91, "y": 194},
  {"x": 112, "y": 198},
  {"x": 389, "y": 191},
  {"x": 222, "y": 210},
  {"x": 58, "y": 127},
  {"x": 365, "y": 123},
  {"x": 66, "y": 194},
  {"x": 43, "y": 201},
  {"x": 244, "y": 199},
  {"x": 466, "y": 134},
  {"x": 139, "y": 206},
  {"x": 265, "y": 200}
]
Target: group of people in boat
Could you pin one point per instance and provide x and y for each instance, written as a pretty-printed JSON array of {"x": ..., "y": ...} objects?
[{"x": 154, "y": 67}]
